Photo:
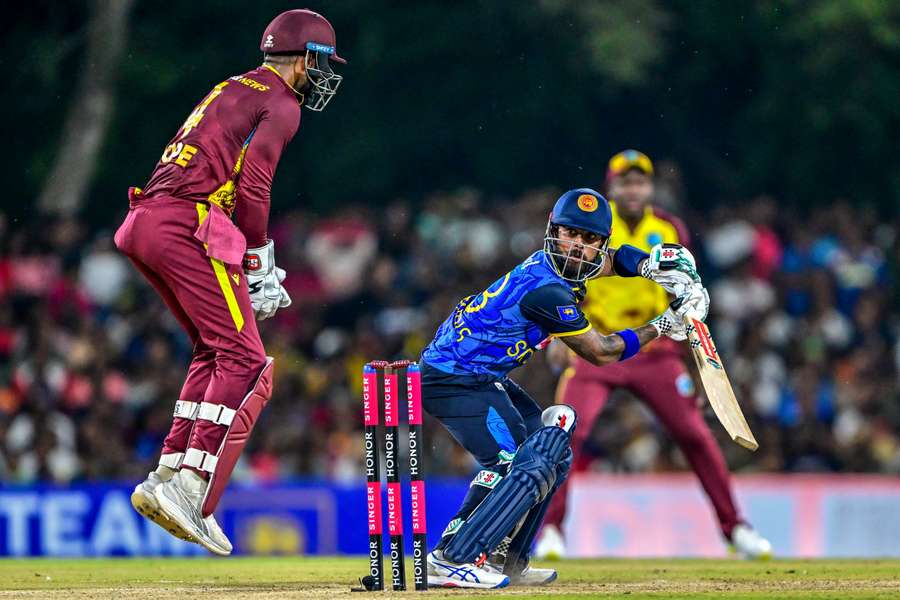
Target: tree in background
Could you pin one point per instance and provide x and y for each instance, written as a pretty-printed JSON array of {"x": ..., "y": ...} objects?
[
  {"x": 91, "y": 109},
  {"x": 797, "y": 98}
]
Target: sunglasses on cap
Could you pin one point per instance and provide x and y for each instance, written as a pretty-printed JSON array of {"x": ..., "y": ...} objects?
[{"x": 626, "y": 160}]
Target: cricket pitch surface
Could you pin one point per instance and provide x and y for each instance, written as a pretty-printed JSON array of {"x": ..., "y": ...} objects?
[{"x": 298, "y": 577}]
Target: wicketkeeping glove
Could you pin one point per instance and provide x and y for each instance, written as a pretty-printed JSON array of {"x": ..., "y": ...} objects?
[
  {"x": 672, "y": 267},
  {"x": 264, "y": 281}
]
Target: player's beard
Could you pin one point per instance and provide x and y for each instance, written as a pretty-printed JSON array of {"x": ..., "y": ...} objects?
[
  {"x": 577, "y": 264},
  {"x": 573, "y": 264}
]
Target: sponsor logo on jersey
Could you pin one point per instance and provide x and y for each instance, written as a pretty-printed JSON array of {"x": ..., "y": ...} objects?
[
  {"x": 587, "y": 203},
  {"x": 568, "y": 312}
]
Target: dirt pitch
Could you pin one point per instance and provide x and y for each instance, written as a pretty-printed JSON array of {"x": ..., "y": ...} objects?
[{"x": 277, "y": 578}]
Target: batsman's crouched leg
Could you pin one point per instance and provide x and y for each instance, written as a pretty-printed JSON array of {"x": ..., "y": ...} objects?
[
  {"x": 515, "y": 561},
  {"x": 485, "y": 481},
  {"x": 532, "y": 477}
]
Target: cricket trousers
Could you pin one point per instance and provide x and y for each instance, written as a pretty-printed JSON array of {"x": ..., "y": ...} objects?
[
  {"x": 489, "y": 417},
  {"x": 211, "y": 301},
  {"x": 659, "y": 379}
]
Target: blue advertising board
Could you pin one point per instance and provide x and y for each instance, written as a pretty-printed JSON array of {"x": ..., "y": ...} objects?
[{"x": 296, "y": 518}]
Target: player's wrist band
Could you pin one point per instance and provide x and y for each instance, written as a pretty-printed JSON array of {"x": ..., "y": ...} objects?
[
  {"x": 632, "y": 343},
  {"x": 626, "y": 260}
]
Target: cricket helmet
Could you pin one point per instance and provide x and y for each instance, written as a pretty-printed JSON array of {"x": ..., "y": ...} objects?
[
  {"x": 304, "y": 31},
  {"x": 587, "y": 210}
]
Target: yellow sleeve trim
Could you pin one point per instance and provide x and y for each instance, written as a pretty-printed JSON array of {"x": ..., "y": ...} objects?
[
  {"x": 578, "y": 332},
  {"x": 222, "y": 277}
]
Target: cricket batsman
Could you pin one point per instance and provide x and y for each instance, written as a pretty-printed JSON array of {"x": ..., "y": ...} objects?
[
  {"x": 657, "y": 374},
  {"x": 198, "y": 233},
  {"x": 525, "y": 453}
]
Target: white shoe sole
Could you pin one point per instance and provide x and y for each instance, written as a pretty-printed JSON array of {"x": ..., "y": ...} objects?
[
  {"x": 145, "y": 503},
  {"x": 449, "y": 582},
  {"x": 176, "y": 514}
]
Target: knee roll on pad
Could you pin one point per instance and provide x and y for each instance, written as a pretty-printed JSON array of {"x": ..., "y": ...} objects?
[{"x": 531, "y": 477}]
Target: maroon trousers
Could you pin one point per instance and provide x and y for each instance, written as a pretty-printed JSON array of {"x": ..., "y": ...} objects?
[
  {"x": 211, "y": 301},
  {"x": 659, "y": 378}
]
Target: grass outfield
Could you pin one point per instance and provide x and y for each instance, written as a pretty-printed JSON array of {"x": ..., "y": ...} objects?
[{"x": 271, "y": 578}]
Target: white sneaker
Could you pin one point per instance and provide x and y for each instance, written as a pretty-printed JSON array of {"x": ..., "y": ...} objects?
[
  {"x": 748, "y": 542},
  {"x": 180, "y": 499},
  {"x": 534, "y": 576},
  {"x": 550, "y": 544},
  {"x": 528, "y": 577},
  {"x": 143, "y": 501},
  {"x": 443, "y": 573}
]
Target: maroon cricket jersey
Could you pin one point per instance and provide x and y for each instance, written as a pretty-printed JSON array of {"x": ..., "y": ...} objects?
[{"x": 227, "y": 150}]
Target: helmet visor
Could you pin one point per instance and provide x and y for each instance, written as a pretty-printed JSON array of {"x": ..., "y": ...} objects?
[
  {"x": 323, "y": 81},
  {"x": 569, "y": 257}
]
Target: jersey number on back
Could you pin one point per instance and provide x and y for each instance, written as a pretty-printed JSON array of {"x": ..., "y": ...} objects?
[{"x": 180, "y": 152}]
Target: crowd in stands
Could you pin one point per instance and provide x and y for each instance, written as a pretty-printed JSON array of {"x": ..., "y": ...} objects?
[{"x": 804, "y": 309}]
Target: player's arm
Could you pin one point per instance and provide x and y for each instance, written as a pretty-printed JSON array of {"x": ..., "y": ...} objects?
[
  {"x": 624, "y": 261},
  {"x": 277, "y": 125},
  {"x": 555, "y": 309},
  {"x": 275, "y": 129},
  {"x": 602, "y": 349}
]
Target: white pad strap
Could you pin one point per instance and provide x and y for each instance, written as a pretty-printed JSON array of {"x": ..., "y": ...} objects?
[
  {"x": 186, "y": 409},
  {"x": 217, "y": 413},
  {"x": 173, "y": 461},
  {"x": 200, "y": 459}
]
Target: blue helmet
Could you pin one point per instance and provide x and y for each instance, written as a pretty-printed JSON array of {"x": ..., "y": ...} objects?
[{"x": 584, "y": 209}]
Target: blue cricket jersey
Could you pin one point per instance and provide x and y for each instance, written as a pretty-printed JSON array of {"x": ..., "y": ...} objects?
[{"x": 494, "y": 332}]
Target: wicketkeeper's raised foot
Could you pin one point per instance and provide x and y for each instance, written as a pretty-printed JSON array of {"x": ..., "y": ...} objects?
[
  {"x": 143, "y": 501},
  {"x": 180, "y": 500}
]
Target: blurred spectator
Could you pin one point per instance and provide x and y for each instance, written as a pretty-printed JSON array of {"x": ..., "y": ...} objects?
[{"x": 802, "y": 307}]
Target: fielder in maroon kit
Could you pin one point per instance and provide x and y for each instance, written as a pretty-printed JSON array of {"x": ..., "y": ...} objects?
[
  {"x": 198, "y": 233},
  {"x": 657, "y": 375}
]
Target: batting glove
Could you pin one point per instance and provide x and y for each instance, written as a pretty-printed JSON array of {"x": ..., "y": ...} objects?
[
  {"x": 670, "y": 325},
  {"x": 694, "y": 304},
  {"x": 264, "y": 281},
  {"x": 672, "y": 267}
]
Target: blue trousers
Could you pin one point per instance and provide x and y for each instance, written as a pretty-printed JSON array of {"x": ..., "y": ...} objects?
[
  {"x": 488, "y": 417},
  {"x": 484, "y": 414}
]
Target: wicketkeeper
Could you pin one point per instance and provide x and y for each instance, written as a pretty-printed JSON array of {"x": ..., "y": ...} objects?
[
  {"x": 198, "y": 233},
  {"x": 525, "y": 453}
]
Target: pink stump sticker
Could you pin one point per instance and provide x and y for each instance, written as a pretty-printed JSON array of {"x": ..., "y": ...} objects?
[
  {"x": 417, "y": 500},
  {"x": 395, "y": 516},
  {"x": 391, "y": 414},
  {"x": 370, "y": 402},
  {"x": 373, "y": 506},
  {"x": 414, "y": 395}
]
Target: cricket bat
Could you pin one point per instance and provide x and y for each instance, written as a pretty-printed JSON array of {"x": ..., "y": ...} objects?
[{"x": 718, "y": 388}]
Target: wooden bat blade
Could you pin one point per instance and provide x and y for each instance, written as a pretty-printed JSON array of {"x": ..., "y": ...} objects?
[{"x": 718, "y": 388}]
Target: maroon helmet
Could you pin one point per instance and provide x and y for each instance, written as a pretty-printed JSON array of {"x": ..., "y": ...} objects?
[{"x": 304, "y": 31}]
